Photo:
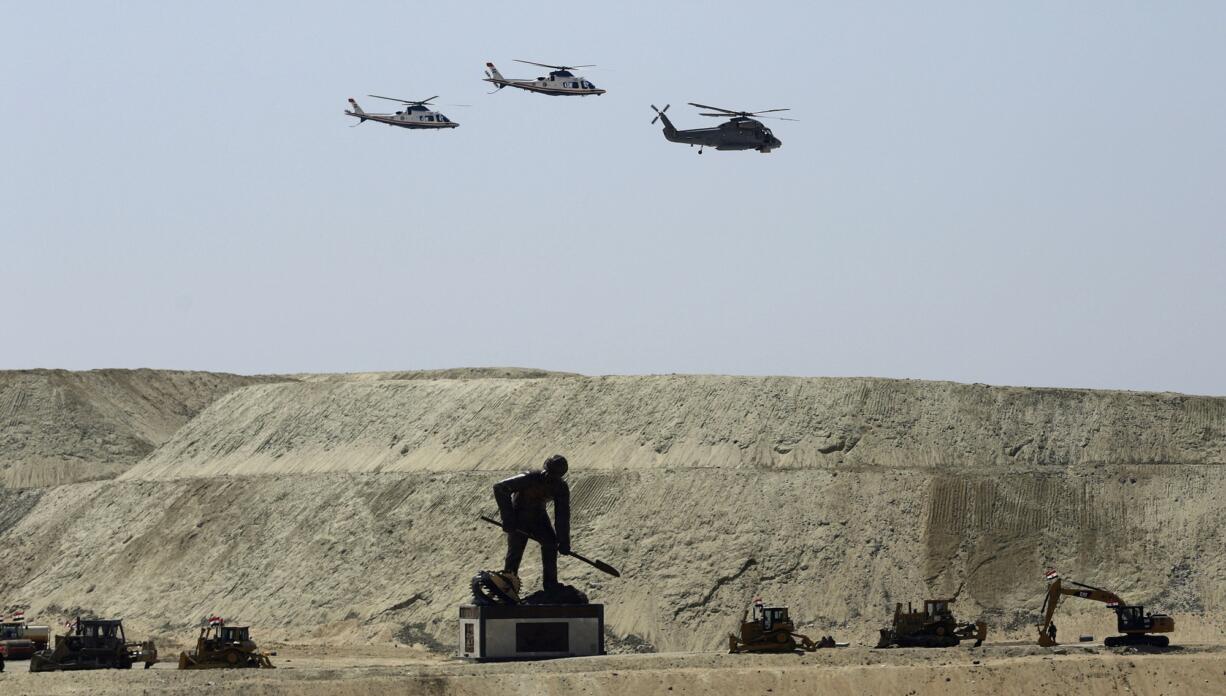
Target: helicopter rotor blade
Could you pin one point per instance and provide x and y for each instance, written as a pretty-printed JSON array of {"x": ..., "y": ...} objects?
[
  {"x": 402, "y": 101},
  {"x": 767, "y": 111},
  {"x": 659, "y": 113},
  {"x": 554, "y": 67},
  {"x": 541, "y": 65},
  {"x": 713, "y": 108},
  {"x": 410, "y": 102}
]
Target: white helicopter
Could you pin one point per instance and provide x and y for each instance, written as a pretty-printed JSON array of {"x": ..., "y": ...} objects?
[
  {"x": 560, "y": 83},
  {"x": 415, "y": 115}
]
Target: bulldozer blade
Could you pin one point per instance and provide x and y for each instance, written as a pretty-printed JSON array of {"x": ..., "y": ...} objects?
[{"x": 887, "y": 638}]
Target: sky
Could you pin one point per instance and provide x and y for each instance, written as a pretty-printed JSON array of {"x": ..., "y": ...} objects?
[{"x": 997, "y": 192}]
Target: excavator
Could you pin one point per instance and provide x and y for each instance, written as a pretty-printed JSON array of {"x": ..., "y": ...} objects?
[{"x": 1131, "y": 620}]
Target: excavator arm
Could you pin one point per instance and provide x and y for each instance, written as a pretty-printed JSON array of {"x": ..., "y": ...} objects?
[{"x": 1055, "y": 590}]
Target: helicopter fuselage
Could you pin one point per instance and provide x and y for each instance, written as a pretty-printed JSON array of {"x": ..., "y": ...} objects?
[
  {"x": 736, "y": 134},
  {"x": 409, "y": 118},
  {"x": 559, "y": 83}
]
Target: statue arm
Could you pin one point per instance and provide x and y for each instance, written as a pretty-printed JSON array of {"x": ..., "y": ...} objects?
[
  {"x": 561, "y": 517},
  {"x": 503, "y": 492}
]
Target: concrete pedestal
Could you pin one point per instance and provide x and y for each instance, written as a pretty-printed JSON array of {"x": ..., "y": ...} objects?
[{"x": 531, "y": 632}]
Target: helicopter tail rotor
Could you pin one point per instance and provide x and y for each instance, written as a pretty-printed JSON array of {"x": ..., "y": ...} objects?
[{"x": 660, "y": 113}]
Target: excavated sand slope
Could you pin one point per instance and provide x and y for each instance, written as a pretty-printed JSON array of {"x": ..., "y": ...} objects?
[
  {"x": 346, "y": 509},
  {"x": 639, "y": 423},
  {"x": 58, "y": 427}
]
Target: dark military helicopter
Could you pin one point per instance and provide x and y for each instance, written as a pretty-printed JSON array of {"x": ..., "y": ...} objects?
[{"x": 741, "y": 132}]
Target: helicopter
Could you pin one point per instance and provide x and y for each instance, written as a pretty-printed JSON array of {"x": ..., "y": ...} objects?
[
  {"x": 741, "y": 132},
  {"x": 560, "y": 83},
  {"x": 415, "y": 115}
]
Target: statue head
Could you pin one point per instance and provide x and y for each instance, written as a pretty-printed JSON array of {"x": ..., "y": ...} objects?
[{"x": 555, "y": 466}]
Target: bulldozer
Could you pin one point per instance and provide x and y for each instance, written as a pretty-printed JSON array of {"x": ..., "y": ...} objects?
[
  {"x": 1135, "y": 626},
  {"x": 94, "y": 644},
  {"x": 933, "y": 627},
  {"x": 224, "y": 646},
  {"x": 772, "y": 631}
]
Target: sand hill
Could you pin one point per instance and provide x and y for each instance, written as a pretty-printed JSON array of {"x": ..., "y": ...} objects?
[
  {"x": 345, "y": 507},
  {"x": 59, "y": 427}
]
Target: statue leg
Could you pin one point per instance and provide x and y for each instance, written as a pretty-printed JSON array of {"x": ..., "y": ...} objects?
[
  {"x": 549, "y": 554},
  {"x": 515, "y": 552}
]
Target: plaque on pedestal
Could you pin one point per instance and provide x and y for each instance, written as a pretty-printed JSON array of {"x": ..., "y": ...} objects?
[{"x": 531, "y": 631}]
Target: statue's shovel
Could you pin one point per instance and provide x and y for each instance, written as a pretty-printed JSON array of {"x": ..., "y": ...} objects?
[{"x": 598, "y": 565}]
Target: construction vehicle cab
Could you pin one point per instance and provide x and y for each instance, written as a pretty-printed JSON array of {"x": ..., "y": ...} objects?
[
  {"x": 1133, "y": 619},
  {"x": 770, "y": 617},
  {"x": 932, "y": 627},
  {"x": 235, "y": 634},
  {"x": 938, "y": 608}
]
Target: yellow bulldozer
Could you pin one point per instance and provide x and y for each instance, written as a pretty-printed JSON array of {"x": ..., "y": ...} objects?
[
  {"x": 222, "y": 646},
  {"x": 1135, "y": 626},
  {"x": 94, "y": 644},
  {"x": 771, "y": 630},
  {"x": 932, "y": 627}
]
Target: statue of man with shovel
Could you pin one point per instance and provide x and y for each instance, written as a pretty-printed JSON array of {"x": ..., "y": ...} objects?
[{"x": 521, "y": 504}]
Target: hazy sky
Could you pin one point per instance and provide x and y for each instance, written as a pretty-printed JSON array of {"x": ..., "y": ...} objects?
[{"x": 1012, "y": 193}]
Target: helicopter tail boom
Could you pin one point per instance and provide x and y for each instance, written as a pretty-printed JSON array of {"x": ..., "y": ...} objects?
[
  {"x": 668, "y": 125},
  {"x": 493, "y": 73}
]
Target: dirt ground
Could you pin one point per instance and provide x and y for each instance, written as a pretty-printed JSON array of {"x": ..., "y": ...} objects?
[{"x": 993, "y": 669}]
